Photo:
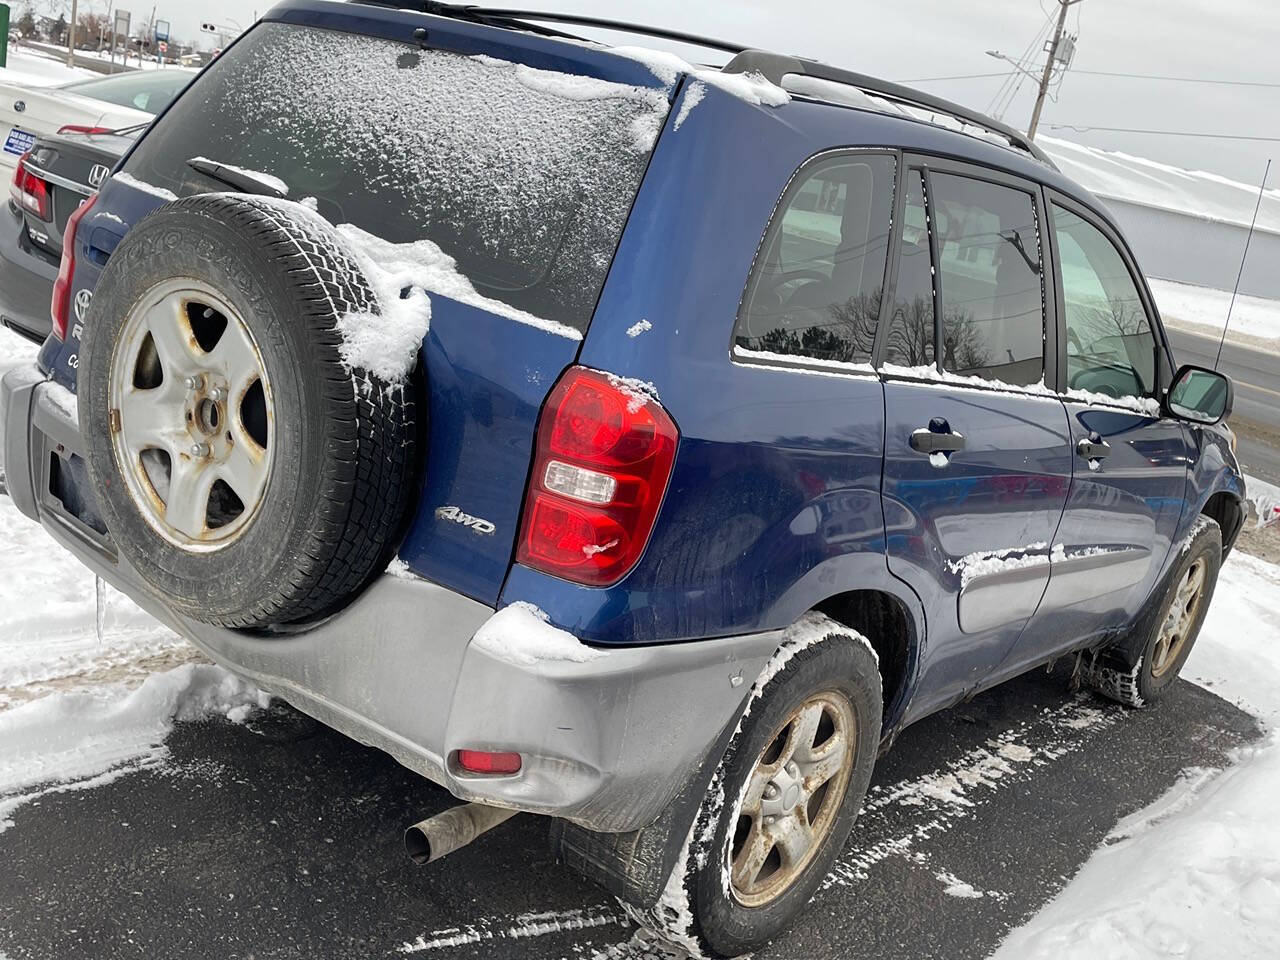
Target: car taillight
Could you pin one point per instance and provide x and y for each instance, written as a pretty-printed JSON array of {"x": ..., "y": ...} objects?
[
  {"x": 77, "y": 128},
  {"x": 29, "y": 191},
  {"x": 60, "y": 305},
  {"x": 603, "y": 458}
]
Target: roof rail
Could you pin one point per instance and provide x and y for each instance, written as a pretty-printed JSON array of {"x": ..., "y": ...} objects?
[
  {"x": 519, "y": 19},
  {"x": 775, "y": 66}
]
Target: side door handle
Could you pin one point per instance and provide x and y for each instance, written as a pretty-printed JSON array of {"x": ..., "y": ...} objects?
[
  {"x": 938, "y": 437},
  {"x": 1093, "y": 447}
]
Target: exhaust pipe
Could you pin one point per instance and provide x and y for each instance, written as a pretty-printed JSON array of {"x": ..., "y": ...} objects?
[{"x": 451, "y": 830}]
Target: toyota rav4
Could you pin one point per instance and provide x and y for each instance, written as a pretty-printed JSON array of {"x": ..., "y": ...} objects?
[{"x": 635, "y": 443}]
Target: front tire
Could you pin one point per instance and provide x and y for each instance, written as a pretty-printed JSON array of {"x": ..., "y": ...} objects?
[
  {"x": 787, "y": 792},
  {"x": 1169, "y": 631}
]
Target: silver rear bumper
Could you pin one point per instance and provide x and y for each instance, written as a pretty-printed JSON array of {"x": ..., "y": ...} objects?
[{"x": 607, "y": 743}]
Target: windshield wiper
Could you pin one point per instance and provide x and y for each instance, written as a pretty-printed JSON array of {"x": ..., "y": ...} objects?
[{"x": 243, "y": 180}]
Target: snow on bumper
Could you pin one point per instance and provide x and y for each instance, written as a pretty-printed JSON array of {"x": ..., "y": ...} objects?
[{"x": 608, "y": 737}]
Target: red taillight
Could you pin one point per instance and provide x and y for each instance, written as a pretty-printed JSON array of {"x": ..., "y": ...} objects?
[
  {"x": 29, "y": 191},
  {"x": 482, "y": 761},
  {"x": 603, "y": 459},
  {"x": 77, "y": 128},
  {"x": 60, "y": 306}
]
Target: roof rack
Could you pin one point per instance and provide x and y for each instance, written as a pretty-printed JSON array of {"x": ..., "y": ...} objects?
[
  {"x": 775, "y": 67},
  {"x": 519, "y": 19}
]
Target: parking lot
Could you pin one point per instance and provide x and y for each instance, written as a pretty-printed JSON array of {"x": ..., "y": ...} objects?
[{"x": 279, "y": 838}]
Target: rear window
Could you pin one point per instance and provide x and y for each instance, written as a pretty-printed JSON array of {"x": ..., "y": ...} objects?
[
  {"x": 525, "y": 177},
  {"x": 147, "y": 90}
]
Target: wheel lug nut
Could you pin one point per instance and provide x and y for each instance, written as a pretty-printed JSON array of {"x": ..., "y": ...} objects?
[
  {"x": 200, "y": 450},
  {"x": 771, "y": 791},
  {"x": 216, "y": 394},
  {"x": 193, "y": 383}
]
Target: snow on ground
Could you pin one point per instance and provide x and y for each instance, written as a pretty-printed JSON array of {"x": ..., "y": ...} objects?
[
  {"x": 90, "y": 684},
  {"x": 38, "y": 70},
  {"x": 1205, "y": 307},
  {"x": 1197, "y": 874}
]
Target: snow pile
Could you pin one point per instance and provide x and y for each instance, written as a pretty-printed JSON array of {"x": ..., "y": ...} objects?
[
  {"x": 77, "y": 740},
  {"x": 386, "y": 342},
  {"x": 752, "y": 88},
  {"x": 986, "y": 563},
  {"x": 1206, "y": 307},
  {"x": 1265, "y": 498},
  {"x": 639, "y": 327},
  {"x": 1122, "y": 176},
  {"x": 1198, "y": 873},
  {"x": 275, "y": 183},
  {"x": 159, "y": 192},
  {"x": 645, "y": 126},
  {"x": 34, "y": 70},
  {"x": 523, "y": 635},
  {"x": 1144, "y": 406},
  {"x": 692, "y": 97},
  {"x": 49, "y": 642}
]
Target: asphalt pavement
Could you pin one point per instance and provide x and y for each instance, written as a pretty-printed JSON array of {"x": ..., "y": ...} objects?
[
  {"x": 281, "y": 839},
  {"x": 1255, "y": 369}
]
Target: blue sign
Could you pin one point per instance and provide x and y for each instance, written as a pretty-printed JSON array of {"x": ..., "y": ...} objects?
[
  {"x": 19, "y": 141},
  {"x": 162, "y": 31}
]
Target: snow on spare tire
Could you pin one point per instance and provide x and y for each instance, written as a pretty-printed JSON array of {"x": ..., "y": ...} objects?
[{"x": 246, "y": 408}]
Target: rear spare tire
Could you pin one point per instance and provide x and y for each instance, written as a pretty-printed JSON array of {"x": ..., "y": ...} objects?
[{"x": 248, "y": 472}]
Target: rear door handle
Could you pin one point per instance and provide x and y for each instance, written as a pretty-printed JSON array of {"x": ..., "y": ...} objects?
[
  {"x": 1093, "y": 447},
  {"x": 937, "y": 438}
]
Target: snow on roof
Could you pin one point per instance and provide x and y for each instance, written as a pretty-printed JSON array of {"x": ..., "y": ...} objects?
[{"x": 1121, "y": 176}]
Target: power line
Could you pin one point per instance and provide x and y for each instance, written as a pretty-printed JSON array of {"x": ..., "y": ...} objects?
[
  {"x": 1108, "y": 73},
  {"x": 1081, "y": 128},
  {"x": 1157, "y": 76}
]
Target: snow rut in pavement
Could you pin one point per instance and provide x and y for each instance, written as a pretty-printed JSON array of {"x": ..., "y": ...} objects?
[
  {"x": 521, "y": 927},
  {"x": 941, "y": 799}
]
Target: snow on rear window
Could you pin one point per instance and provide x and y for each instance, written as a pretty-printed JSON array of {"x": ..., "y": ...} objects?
[{"x": 525, "y": 177}]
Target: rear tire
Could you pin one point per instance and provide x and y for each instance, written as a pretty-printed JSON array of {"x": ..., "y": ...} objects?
[
  {"x": 769, "y": 787},
  {"x": 1169, "y": 632},
  {"x": 334, "y": 445}
]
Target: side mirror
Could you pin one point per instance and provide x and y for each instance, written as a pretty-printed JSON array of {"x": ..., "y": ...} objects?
[{"x": 1200, "y": 395}]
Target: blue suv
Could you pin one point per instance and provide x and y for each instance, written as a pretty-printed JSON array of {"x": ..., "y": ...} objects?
[{"x": 639, "y": 444}]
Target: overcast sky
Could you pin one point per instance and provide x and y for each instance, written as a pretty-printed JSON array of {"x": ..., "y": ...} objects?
[{"x": 912, "y": 39}]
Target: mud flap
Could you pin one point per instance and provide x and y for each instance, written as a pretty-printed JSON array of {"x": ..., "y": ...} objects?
[{"x": 635, "y": 866}]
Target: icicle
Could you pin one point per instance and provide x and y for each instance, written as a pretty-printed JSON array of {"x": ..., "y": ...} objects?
[{"x": 100, "y": 607}]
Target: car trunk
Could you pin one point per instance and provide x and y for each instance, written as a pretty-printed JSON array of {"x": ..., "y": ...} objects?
[
  {"x": 520, "y": 158},
  {"x": 73, "y": 167}
]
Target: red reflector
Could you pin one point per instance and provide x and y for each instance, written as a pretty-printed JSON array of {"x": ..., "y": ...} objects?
[
  {"x": 77, "y": 128},
  {"x": 603, "y": 458},
  {"x": 482, "y": 761},
  {"x": 60, "y": 305}
]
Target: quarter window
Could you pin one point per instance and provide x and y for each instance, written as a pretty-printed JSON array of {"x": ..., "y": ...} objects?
[
  {"x": 991, "y": 288},
  {"x": 911, "y": 332},
  {"x": 816, "y": 288},
  {"x": 1110, "y": 347}
]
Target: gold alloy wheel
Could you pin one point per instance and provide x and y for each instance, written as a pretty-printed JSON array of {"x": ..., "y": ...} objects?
[
  {"x": 1177, "y": 624},
  {"x": 792, "y": 799},
  {"x": 191, "y": 415}
]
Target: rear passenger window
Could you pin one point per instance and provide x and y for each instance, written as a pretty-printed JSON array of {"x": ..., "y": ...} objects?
[
  {"x": 1110, "y": 347},
  {"x": 817, "y": 284},
  {"x": 992, "y": 291}
]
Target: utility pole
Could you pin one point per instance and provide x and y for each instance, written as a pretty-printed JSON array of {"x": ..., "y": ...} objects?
[
  {"x": 71, "y": 38},
  {"x": 1054, "y": 47}
]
